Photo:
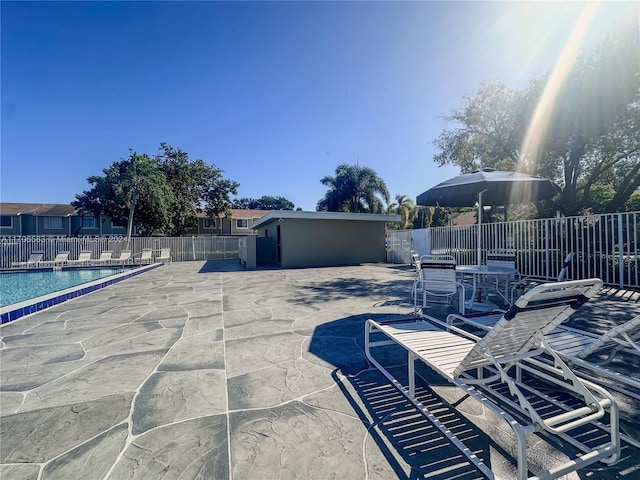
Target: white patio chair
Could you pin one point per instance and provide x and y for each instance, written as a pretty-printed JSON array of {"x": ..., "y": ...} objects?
[
  {"x": 84, "y": 258},
  {"x": 146, "y": 256},
  {"x": 490, "y": 369},
  {"x": 165, "y": 256},
  {"x": 61, "y": 259},
  {"x": 436, "y": 281},
  {"x": 32, "y": 261},
  {"x": 104, "y": 259},
  {"x": 123, "y": 259}
]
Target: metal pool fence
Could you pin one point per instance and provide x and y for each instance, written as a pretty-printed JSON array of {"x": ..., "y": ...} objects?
[
  {"x": 605, "y": 246},
  {"x": 17, "y": 249}
]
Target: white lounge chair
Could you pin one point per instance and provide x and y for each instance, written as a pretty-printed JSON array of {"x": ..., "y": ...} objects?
[
  {"x": 436, "y": 281},
  {"x": 84, "y": 258},
  {"x": 593, "y": 354},
  {"x": 123, "y": 259},
  {"x": 165, "y": 256},
  {"x": 61, "y": 259},
  {"x": 146, "y": 256},
  {"x": 104, "y": 259},
  {"x": 32, "y": 261},
  {"x": 490, "y": 369},
  {"x": 590, "y": 355}
]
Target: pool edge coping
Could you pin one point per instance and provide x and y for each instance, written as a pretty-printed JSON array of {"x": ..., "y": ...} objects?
[{"x": 21, "y": 309}]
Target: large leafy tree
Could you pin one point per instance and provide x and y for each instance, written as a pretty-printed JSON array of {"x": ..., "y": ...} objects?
[
  {"x": 354, "y": 189},
  {"x": 265, "y": 202},
  {"x": 592, "y": 135},
  {"x": 132, "y": 190},
  {"x": 487, "y": 130},
  {"x": 196, "y": 186},
  {"x": 162, "y": 193}
]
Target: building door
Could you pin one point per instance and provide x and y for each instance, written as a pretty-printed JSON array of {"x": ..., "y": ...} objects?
[{"x": 279, "y": 246}]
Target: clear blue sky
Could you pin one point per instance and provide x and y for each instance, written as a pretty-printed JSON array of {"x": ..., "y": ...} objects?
[{"x": 275, "y": 94}]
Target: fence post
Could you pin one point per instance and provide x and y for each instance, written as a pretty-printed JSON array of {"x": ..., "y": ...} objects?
[
  {"x": 546, "y": 248},
  {"x": 193, "y": 247},
  {"x": 620, "y": 252}
]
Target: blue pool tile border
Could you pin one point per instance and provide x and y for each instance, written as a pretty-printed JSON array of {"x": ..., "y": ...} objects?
[{"x": 16, "y": 311}]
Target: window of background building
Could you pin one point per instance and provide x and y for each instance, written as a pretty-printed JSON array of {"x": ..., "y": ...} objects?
[
  {"x": 53, "y": 223},
  {"x": 242, "y": 223},
  {"x": 6, "y": 221}
]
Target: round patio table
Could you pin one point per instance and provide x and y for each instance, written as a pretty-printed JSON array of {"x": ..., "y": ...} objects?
[{"x": 479, "y": 272}]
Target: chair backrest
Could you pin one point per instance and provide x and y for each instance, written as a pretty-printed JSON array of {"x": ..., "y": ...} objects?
[
  {"x": 564, "y": 271},
  {"x": 538, "y": 311},
  {"x": 124, "y": 255},
  {"x": 501, "y": 259},
  {"x": 438, "y": 274},
  {"x": 106, "y": 255},
  {"x": 84, "y": 255},
  {"x": 61, "y": 257},
  {"x": 165, "y": 253},
  {"x": 35, "y": 257},
  {"x": 146, "y": 254}
]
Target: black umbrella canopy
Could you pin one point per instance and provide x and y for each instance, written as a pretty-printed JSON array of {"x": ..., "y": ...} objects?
[{"x": 498, "y": 187}]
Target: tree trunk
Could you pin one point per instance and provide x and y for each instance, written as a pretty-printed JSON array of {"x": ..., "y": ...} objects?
[{"x": 130, "y": 223}]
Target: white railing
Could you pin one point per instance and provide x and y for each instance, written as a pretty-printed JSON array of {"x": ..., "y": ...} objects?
[
  {"x": 16, "y": 249},
  {"x": 605, "y": 246}
]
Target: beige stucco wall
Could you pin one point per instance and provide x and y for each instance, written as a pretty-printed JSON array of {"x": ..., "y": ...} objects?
[{"x": 318, "y": 242}]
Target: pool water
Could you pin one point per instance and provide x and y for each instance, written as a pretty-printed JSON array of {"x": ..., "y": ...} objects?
[{"x": 17, "y": 287}]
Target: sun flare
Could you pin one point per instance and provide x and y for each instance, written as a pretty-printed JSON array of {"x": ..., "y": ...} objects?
[{"x": 539, "y": 124}]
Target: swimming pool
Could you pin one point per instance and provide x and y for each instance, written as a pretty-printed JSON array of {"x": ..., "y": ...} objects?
[
  {"x": 23, "y": 293},
  {"x": 16, "y": 287}
]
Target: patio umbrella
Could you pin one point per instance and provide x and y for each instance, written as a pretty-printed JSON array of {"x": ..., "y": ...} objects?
[{"x": 490, "y": 187}]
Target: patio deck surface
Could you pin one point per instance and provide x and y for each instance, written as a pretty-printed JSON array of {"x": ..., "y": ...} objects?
[{"x": 202, "y": 370}]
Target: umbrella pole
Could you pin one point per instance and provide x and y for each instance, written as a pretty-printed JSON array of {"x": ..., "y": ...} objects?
[{"x": 478, "y": 243}]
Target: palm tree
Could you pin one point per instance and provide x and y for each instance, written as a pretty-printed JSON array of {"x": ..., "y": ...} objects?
[
  {"x": 406, "y": 209},
  {"x": 141, "y": 177},
  {"x": 354, "y": 189}
]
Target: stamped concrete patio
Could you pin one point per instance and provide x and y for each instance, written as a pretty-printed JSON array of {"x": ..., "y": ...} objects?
[{"x": 203, "y": 370}]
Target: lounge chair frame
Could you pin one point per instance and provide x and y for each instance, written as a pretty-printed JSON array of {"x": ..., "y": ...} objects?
[
  {"x": 60, "y": 259},
  {"x": 146, "y": 256},
  {"x": 479, "y": 366},
  {"x": 164, "y": 256},
  {"x": 34, "y": 258},
  {"x": 84, "y": 259},
  {"x": 124, "y": 258},
  {"x": 574, "y": 346},
  {"x": 105, "y": 258}
]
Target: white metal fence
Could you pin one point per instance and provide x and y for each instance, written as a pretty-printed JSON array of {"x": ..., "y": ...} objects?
[
  {"x": 16, "y": 249},
  {"x": 605, "y": 246}
]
